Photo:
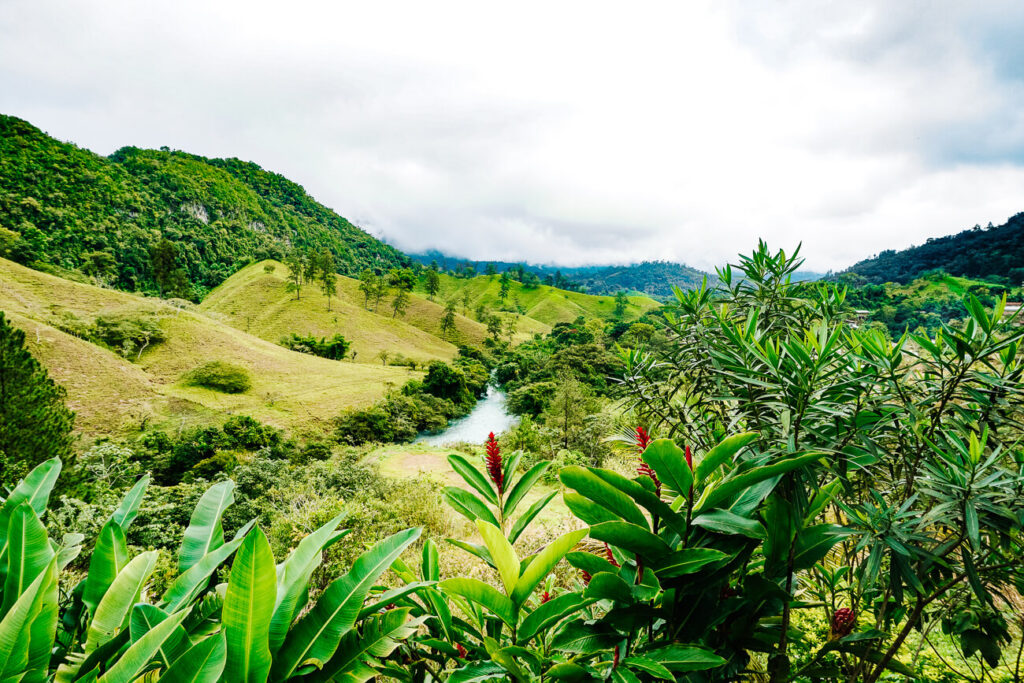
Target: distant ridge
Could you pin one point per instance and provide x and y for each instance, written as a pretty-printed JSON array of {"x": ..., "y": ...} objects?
[{"x": 995, "y": 253}]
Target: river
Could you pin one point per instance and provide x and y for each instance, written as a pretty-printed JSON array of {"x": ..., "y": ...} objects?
[{"x": 488, "y": 415}]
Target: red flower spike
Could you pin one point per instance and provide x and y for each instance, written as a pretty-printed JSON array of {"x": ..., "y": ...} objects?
[
  {"x": 843, "y": 622},
  {"x": 643, "y": 469},
  {"x": 494, "y": 465},
  {"x": 462, "y": 650},
  {"x": 586, "y": 576},
  {"x": 544, "y": 598},
  {"x": 610, "y": 556},
  {"x": 615, "y": 662},
  {"x": 689, "y": 459}
]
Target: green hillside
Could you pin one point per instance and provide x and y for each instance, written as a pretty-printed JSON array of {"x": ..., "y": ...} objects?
[
  {"x": 258, "y": 302},
  {"x": 995, "y": 254},
  {"x": 113, "y": 393},
  {"x": 65, "y": 208},
  {"x": 541, "y": 303}
]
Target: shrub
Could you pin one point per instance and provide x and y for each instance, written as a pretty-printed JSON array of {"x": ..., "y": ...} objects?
[
  {"x": 221, "y": 376},
  {"x": 268, "y": 268},
  {"x": 128, "y": 332},
  {"x": 334, "y": 348}
]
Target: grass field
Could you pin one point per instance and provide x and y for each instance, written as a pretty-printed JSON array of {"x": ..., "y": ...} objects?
[{"x": 112, "y": 394}]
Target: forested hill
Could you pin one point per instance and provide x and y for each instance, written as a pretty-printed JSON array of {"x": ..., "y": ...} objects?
[
  {"x": 995, "y": 254},
  {"x": 67, "y": 208}
]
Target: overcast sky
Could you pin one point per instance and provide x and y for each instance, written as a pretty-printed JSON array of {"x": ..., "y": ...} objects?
[{"x": 560, "y": 132}]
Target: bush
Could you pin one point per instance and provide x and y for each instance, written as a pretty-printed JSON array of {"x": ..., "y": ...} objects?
[
  {"x": 128, "y": 332},
  {"x": 221, "y": 376},
  {"x": 334, "y": 348}
]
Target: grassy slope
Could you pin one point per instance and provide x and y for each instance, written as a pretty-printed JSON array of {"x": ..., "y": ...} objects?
[
  {"x": 543, "y": 304},
  {"x": 258, "y": 302},
  {"x": 111, "y": 394}
]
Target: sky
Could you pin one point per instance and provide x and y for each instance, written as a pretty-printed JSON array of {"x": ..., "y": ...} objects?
[{"x": 562, "y": 132}]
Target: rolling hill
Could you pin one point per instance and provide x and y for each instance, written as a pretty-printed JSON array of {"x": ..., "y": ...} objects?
[
  {"x": 113, "y": 394},
  {"x": 995, "y": 253}
]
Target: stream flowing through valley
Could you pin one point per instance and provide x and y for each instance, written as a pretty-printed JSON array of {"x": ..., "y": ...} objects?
[{"x": 488, "y": 415}]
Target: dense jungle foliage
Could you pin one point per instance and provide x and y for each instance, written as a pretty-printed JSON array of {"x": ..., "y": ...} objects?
[
  {"x": 159, "y": 221},
  {"x": 994, "y": 253},
  {"x": 771, "y": 494}
]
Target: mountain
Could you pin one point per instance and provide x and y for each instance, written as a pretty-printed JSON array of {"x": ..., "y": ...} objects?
[
  {"x": 68, "y": 210},
  {"x": 994, "y": 254}
]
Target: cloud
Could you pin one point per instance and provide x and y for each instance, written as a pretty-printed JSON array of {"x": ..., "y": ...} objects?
[{"x": 562, "y": 132}]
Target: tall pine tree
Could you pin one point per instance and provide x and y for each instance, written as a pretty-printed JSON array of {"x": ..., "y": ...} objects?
[{"x": 35, "y": 424}]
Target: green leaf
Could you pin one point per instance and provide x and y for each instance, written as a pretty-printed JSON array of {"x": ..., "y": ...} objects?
[
  {"x": 34, "y": 489},
  {"x": 473, "y": 477},
  {"x": 681, "y": 658},
  {"x": 379, "y": 638},
  {"x": 590, "y": 563},
  {"x": 523, "y": 486},
  {"x": 20, "y": 640},
  {"x": 204, "y": 532},
  {"x": 472, "y": 548},
  {"x": 644, "y": 497},
  {"x": 725, "y": 522},
  {"x": 520, "y": 524},
  {"x": 722, "y": 453},
  {"x": 648, "y": 666},
  {"x": 28, "y": 553},
  {"x": 637, "y": 540},
  {"x": 669, "y": 462},
  {"x": 187, "y": 586},
  {"x": 585, "y": 639},
  {"x": 202, "y": 663},
  {"x": 567, "y": 671},
  {"x": 380, "y": 600},
  {"x": 314, "y": 639},
  {"x": 724, "y": 490},
  {"x": 688, "y": 561},
  {"x": 607, "y": 586},
  {"x": 543, "y": 562},
  {"x": 505, "y": 559},
  {"x": 550, "y": 613},
  {"x": 587, "y": 510},
  {"x": 144, "y": 619},
  {"x": 115, "y": 608},
  {"x": 476, "y": 672},
  {"x": 482, "y": 594},
  {"x": 468, "y": 505},
  {"x": 293, "y": 577},
  {"x": 126, "y": 512},
  {"x": 248, "y": 609},
  {"x": 814, "y": 543},
  {"x": 130, "y": 664},
  {"x": 593, "y": 487},
  {"x": 108, "y": 558}
]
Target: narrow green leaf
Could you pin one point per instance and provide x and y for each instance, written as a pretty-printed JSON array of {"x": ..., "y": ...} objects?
[
  {"x": 669, "y": 462},
  {"x": 523, "y": 486},
  {"x": 593, "y": 487},
  {"x": 504, "y": 556},
  {"x": 484, "y": 595},
  {"x": 473, "y": 477},
  {"x": 722, "y": 453},
  {"x": 468, "y": 505},
  {"x": 543, "y": 563},
  {"x": 730, "y": 486},
  {"x": 531, "y": 512},
  {"x": 550, "y": 613},
  {"x": 126, "y": 512},
  {"x": 129, "y": 665}
]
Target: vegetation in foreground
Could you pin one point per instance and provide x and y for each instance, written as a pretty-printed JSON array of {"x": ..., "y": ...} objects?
[{"x": 805, "y": 501}]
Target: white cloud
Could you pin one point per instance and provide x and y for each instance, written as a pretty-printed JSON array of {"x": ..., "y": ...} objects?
[{"x": 562, "y": 132}]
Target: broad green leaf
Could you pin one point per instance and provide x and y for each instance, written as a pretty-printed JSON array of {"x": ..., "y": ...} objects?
[
  {"x": 16, "y": 628},
  {"x": 476, "y": 672},
  {"x": 126, "y": 512},
  {"x": 293, "y": 577},
  {"x": 669, "y": 462},
  {"x": 144, "y": 619},
  {"x": 430, "y": 567},
  {"x": 473, "y": 477},
  {"x": 648, "y": 666},
  {"x": 725, "y": 522},
  {"x": 724, "y": 490},
  {"x": 482, "y": 594},
  {"x": 688, "y": 561},
  {"x": 468, "y": 505},
  {"x": 28, "y": 553},
  {"x": 34, "y": 489},
  {"x": 204, "y": 532},
  {"x": 115, "y": 608},
  {"x": 585, "y": 639},
  {"x": 814, "y": 543},
  {"x": 637, "y": 540},
  {"x": 590, "y": 563},
  {"x": 722, "y": 453},
  {"x": 524, "y": 520},
  {"x": 646, "y": 498},
  {"x": 567, "y": 671},
  {"x": 680, "y": 658},
  {"x": 377, "y": 601},
  {"x": 187, "y": 586},
  {"x": 135, "y": 659},
  {"x": 587, "y": 510},
  {"x": 201, "y": 663},
  {"x": 248, "y": 608},
  {"x": 543, "y": 563},
  {"x": 523, "y": 486},
  {"x": 502, "y": 553},
  {"x": 593, "y": 487},
  {"x": 108, "y": 558},
  {"x": 379, "y": 638},
  {"x": 607, "y": 586},
  {"x": 550, "y": 613},
  {"x": 314, "y": 639}
]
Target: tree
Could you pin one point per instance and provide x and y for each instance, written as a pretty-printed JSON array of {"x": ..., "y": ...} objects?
[
  {"x": 35, "y": 423},
  {"x": 465, "y": 302},
  {"x": 431, "y": 283},
  {"x": 568, "y": 408},
  {"x": 402, "y": 278},
  {"x": 171, "y": 279},
  {"x": 400, "y": 303},
  {"x": 490, "y": 270},
  {"x": 510, "y": 327},
  {"x": 368, "y": 284},
  {"x": 494, "y": 327},
  {"x": 296, "y": 267},
  {"x": 448, "y": 319},
  {"x": 481, "y": 311},
  {"x": 620, "y": 304},
  {"x": 310, "y": 266},
  {"x": 505, "y": 285},
  {"x": 326, "y": 268}
]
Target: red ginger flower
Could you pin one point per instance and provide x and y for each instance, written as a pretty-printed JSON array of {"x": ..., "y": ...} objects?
[
  {"x": 642, "y": 440},
  {"x": 608, "y": 554},
  {"x": 843, "y": 622},
  {"x": 462, "y": 650},
  {"x": 689, "y": 459},
  {"x": 586, "y": 576},
  {"x": 544, "y": 598},
  {"x": 494, "y": 464}
]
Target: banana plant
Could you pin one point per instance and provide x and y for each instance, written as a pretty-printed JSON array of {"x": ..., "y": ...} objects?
[
  {"x": 681, "y": 565},
  {"x": 257, "y": 627}
]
